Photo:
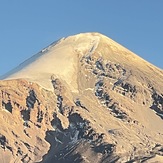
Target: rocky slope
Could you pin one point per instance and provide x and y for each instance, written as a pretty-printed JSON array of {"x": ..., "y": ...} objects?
[{"x": 85, "y": 98}]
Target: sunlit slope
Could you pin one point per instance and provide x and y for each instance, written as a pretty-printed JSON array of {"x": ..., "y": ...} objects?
[{"x": 84, "y": 98}]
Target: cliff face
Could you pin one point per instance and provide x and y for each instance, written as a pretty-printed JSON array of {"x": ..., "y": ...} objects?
[{"x": 84, "y": 98}]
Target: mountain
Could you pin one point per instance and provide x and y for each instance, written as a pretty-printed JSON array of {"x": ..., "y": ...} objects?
[{"x": 84, "y": 98}]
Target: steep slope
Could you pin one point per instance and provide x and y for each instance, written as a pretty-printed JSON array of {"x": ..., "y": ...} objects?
[{"x": 84, "y": 98}]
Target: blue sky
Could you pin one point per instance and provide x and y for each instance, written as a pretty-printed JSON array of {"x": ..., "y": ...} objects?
[{"x": 27, "y": 26}]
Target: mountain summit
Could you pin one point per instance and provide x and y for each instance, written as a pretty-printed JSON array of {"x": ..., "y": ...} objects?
[
  {"x": 84, "y": 98},
  {"x": 62, "y": 58}
]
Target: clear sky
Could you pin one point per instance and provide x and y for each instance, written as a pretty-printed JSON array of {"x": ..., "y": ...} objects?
[{"x": 27, "y": 26}]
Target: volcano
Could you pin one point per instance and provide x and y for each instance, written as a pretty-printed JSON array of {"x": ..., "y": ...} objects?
[{"x": 84, "y": 98}]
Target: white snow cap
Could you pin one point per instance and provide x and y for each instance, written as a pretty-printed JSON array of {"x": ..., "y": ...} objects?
[{"x": 59, "y": 59}]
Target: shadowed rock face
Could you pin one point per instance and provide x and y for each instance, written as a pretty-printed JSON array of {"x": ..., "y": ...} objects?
[{"x": 95, "y": 101}]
